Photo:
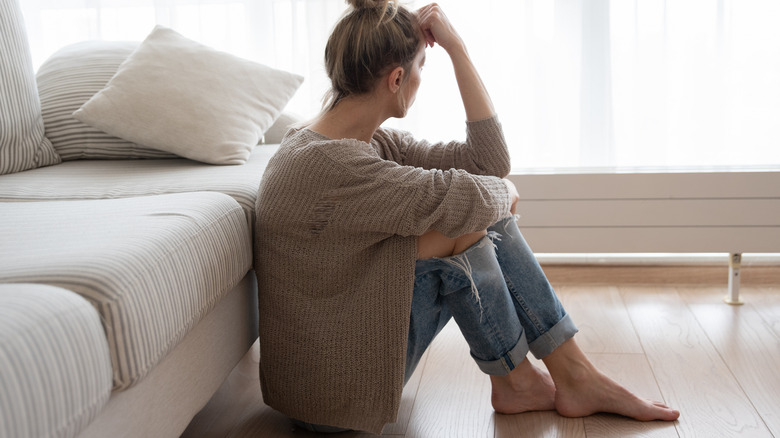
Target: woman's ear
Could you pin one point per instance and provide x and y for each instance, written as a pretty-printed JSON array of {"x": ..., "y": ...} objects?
[{"x": 395, "y": 79}]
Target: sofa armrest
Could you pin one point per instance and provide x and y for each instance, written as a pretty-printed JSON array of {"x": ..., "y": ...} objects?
[{"x": 55, "y": 369}]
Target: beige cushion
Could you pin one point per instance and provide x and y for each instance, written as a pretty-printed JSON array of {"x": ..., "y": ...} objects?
[
  {"x": 276, "y": 132},
  {"x": 179, "y": 96},
  {"x": 22, "y": 142},
  {"x": 112, "y": 179},
  {"x": 152, "y": 266}
]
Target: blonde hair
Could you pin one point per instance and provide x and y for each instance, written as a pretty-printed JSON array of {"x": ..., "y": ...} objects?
[{"x": 373, "y": 37}]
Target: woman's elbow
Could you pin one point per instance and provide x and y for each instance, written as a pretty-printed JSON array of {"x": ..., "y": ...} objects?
[{"x": 501, "y": 167}]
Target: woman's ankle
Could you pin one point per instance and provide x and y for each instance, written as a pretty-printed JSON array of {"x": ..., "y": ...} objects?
[
  {"x": 526, "y": 388},
  {"x": 568, "y": 364}
]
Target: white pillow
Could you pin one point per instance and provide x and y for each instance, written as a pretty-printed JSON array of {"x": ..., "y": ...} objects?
[{"x": 179, "y": 96}]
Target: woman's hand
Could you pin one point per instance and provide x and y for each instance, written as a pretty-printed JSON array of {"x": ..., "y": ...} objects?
[{"x": 437, "y": 28}]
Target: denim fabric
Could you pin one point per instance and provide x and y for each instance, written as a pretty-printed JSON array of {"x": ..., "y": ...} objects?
[
  {"x": 546, "y": 323},
  {"x": 499, "y": 297},
  {"x": 469, "y": 287}
]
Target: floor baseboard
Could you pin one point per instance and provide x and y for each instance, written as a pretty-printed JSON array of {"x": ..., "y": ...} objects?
[{"x": 658, "y": 274}]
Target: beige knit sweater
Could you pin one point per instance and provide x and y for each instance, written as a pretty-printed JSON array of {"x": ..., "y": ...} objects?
[{"x": 335, "y": 251}]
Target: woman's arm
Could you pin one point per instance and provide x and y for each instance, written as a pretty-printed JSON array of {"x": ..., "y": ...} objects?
[
  {"x": 438, "y": 29},
  {"x": 485, "y": 151},
  {"x": 371, "y": 194}
]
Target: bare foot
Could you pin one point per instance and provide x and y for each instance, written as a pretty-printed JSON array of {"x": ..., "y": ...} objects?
[
  {"x": 526, "y": 388},
  {"x": 592, "y": 392}
]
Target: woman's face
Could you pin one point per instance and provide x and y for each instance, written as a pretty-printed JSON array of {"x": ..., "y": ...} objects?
[{"x": 412, "y": 84}]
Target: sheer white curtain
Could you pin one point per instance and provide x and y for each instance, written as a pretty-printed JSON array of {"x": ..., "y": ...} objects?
[
  {"x": 630, "y": 84},
  {"x": 285, "y": 34}
]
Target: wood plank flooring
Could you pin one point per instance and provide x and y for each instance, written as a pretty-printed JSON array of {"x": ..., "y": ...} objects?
[{"x": 718, "y": 364}]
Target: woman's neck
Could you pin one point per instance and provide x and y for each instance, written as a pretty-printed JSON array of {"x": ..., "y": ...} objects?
[{"x": 353, "y": 117}]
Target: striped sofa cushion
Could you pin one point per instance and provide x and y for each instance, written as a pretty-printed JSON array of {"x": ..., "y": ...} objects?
[
  {"x": 66, "y": 81},
  {"x": 55, "y": 369},
  {"x": 152, "y": 266},
  {"x": 111, "y": 179},
  {"x": 22, "y": 142}
]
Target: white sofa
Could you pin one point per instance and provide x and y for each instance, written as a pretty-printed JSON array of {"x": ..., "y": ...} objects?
[{"x": 126, "y": 289}]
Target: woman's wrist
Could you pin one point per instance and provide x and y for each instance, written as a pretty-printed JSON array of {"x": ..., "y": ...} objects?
[
  {"x": 476, "y": 100},
  {"x": 457, "y": 50}
]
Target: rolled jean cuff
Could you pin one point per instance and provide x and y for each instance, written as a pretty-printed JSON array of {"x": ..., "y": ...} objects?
[
  {"x": 561, "y": 332},
  {"x": 507, "y": 362}
]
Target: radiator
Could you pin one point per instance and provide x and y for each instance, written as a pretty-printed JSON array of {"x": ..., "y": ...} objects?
[{"x": 669, "y": 212}]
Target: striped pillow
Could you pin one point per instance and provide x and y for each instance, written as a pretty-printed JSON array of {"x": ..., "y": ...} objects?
[
  {"x": 22, "y": 142},
  {"x": 68, "y": 79}
]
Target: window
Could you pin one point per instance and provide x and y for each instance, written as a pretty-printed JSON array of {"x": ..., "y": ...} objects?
[{"x": 625, "y": 83}]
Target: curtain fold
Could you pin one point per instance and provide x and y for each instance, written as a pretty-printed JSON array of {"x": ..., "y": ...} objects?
[{"x": 577, "y": 84}]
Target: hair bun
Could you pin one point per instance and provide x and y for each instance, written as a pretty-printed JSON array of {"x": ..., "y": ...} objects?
[{"x": 370, "y": 4}]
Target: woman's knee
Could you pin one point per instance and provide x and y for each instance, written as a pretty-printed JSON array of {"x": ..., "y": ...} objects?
[{"x": 435, "y": 244}]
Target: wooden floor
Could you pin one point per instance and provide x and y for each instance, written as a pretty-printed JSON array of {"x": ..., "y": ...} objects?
[{"x": 718, "y": 364}]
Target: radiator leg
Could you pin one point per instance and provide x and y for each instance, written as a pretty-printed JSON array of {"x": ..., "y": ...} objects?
[{"x": 735, "y": 263}]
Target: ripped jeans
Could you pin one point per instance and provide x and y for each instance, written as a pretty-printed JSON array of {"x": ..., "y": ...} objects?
[{"x": 499, "y": 297}]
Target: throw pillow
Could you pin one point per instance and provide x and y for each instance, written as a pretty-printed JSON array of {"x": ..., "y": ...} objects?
[
  {"x": 276, "y": 132},
  {"x": 66, "y": 81},
  {"x": 179, "y": 96},
  {"x": 22, "y": 142}
]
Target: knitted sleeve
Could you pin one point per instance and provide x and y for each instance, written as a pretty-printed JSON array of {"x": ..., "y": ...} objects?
[
  {"x": 483, "y": 153},
  {"x": 377, "y": 195}
]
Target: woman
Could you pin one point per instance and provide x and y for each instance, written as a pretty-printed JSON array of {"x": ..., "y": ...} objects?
[{"x": 369, "y": 240}]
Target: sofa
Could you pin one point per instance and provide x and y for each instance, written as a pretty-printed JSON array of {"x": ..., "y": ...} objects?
[{"x": 127, "y": 197}]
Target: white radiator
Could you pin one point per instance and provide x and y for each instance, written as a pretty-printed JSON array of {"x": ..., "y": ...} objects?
[{"x": 683, "y": 212}]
